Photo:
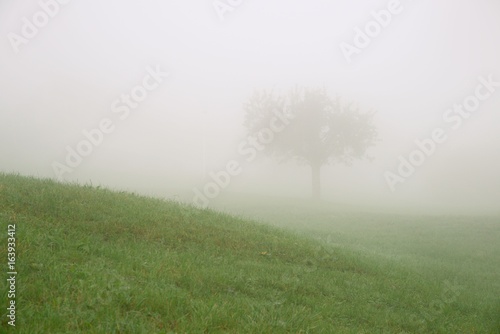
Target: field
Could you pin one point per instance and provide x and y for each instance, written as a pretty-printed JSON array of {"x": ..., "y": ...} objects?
[{"x": 90, "y": 260}]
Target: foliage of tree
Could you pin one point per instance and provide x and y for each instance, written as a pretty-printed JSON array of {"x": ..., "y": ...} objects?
[{"x": 321, "y": 130}]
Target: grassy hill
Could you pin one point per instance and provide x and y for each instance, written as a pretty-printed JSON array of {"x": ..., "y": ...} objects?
[{"x": 90, "y": 260}]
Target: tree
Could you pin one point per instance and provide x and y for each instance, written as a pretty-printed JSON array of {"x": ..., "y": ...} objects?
[{"x": 320, "y": 130}]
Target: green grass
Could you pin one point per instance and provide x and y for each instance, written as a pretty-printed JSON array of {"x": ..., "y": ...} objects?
[
  {"x": 464, "y": 250},
  {"x": 90, "y": 260}
]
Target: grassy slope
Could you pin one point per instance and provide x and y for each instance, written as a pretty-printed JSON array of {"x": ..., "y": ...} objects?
[
  {"x": 461, "y": 250},
  {"x": 95, "y": 261}
]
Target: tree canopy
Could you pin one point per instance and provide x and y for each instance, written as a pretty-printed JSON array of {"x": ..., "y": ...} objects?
[{"x": 321, "y": 130}]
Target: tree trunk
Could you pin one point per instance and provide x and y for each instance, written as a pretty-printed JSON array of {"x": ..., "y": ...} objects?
[{"x": 316, "y": 181}]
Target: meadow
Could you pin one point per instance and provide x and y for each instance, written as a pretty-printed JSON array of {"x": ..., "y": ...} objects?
[{"x": 92, "y": 260}]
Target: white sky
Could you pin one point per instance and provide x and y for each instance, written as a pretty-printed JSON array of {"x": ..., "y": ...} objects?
[{"x": 428, "y": 58}]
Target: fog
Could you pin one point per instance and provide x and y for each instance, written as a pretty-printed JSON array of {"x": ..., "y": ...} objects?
[{"x": 67, "y": 65}]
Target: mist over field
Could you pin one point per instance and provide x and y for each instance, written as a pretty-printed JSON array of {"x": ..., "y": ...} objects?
[
  {"x": 347, "y": 152},
  {"x": 429, "y": 70}
]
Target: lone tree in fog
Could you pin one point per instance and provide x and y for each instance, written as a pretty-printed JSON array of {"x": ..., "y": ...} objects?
[{"x": 309, "y": 127}]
